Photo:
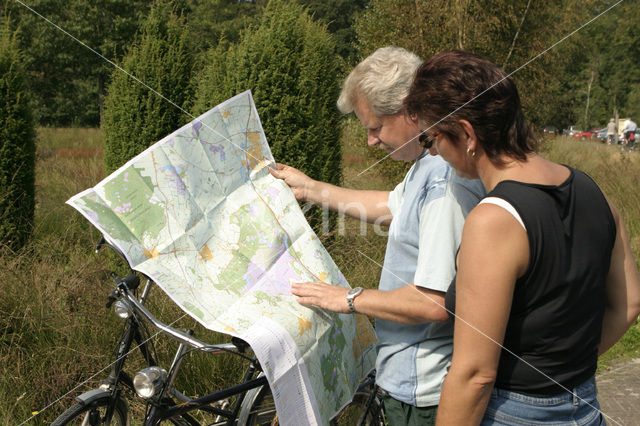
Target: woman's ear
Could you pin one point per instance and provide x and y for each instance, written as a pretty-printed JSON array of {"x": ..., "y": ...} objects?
[{"x": 468, "y": 135}]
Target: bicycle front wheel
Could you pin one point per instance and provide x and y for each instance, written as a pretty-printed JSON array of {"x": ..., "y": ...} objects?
[
  {"x": 93, "y": 412},
  {"x": 261, "y": 408}
]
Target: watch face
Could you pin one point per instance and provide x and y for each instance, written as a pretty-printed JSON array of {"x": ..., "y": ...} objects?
[{"x": 354, "y": 292}]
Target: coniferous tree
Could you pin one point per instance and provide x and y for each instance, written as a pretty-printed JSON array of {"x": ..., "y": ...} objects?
[
  {"x": 339, "y": 16},
  {"x": 136, "y": 116},
  {"x": 211, "y": 21},
  {"x": 69, "y": 78},
  {"x": 17, "y": 148},
  {"x": 289, "y": 63}
]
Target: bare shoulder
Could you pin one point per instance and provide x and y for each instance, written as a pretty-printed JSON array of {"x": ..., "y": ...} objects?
[
  {"x": 496, "y": 237},
  {"x": 490, "y": 218}
]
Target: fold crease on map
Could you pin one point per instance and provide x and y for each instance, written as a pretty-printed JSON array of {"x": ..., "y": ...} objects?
[{"x": 200, "y": 214}]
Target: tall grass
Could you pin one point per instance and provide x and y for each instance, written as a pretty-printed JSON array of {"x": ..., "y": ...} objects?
[
  {"x": 615, "y": 170},
  {"x": 55, "y": 332}
]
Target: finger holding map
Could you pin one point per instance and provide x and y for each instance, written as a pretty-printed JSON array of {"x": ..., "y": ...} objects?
[{"x": 299, "y": 182}]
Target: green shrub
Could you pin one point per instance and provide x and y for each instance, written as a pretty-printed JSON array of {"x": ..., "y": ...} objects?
[
  {"x": 135, "y": 116},
  {"x": 288, "y": 62},
  {"x": 17, "y": 148}
]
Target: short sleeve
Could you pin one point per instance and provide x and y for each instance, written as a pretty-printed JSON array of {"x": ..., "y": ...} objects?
[
  {"x": 441, "y": 223},
  {"x": 395, "y": 199}
]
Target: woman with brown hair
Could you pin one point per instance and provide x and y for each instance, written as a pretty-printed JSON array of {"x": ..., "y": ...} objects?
[{"x": 545, "y": 276}]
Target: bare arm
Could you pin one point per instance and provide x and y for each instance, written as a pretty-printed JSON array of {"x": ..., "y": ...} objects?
[
  {"x": 408, "y": 304},
  {"x": 369, "y": 206},
  {"x": 493, "y": 254},
  {"x": 623, "y": 289}
]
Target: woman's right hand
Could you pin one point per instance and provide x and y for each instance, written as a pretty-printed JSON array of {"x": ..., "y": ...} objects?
[{"x": 299, "y": 182}]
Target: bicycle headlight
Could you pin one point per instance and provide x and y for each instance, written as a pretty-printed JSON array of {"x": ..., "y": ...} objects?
[
  {"x": 121, "y": 309},
  {"x": 149, "y": 382}
]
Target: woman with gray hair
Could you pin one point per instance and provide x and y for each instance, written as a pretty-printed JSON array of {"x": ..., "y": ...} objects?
[{"x": 425, "y": 214}]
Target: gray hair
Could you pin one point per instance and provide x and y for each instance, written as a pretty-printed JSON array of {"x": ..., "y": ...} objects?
[{"x": 382, "y": 80}]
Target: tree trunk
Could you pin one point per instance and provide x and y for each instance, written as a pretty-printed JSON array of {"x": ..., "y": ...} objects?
[
  {"x": 100, "y": 96},
  {"x": 515, "y": 37},
  {"x": 586, "y": 111},
  {"x": 462, "y": 21}
]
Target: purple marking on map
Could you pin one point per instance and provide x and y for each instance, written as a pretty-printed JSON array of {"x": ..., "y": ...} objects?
[
  {"x": 93, "y": 216},
  {"x": 174, "y": 178},
  {"x": 196, "y": 128},
  {"x": 337, "y": 332},
  {"x": 273, "y": 192},
  {"x": 124, "y": 208},
  {"x": 254, "y": 272},
  {"x": 219, "y": 149},
  {"x": 277, "y": 279},
  {"x": 278, "y": 241}
]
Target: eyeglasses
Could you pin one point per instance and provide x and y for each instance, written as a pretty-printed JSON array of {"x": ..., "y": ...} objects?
[{"x": 427, "y": 140}]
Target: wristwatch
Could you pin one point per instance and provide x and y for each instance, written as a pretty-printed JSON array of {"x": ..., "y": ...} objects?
[{"x": 352, "y": 294}]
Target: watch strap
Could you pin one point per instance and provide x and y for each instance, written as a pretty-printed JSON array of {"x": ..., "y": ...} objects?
[
  {"x": 351, "y": 295},
  {"x": 351, "y": 307}
]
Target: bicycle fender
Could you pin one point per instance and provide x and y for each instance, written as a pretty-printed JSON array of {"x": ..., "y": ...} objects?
[{"x": 91, "y": 395}]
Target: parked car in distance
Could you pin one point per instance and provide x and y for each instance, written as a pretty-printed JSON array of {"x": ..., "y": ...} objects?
[
  {"x": 601, "y": 134},
  {"x": 571, "y": 130},
  {"x": 550, "y": 130},
  {"x": 583, "y": 135}
]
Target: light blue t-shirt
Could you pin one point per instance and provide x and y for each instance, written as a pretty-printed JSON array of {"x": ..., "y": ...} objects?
[{"x": 428, "y": 207}]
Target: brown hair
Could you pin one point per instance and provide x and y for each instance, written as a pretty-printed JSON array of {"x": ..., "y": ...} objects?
[{"x": 458, "y": 85}]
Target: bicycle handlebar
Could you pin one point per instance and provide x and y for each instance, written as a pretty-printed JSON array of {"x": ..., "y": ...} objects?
[
  {"x": 127, "y": 283},
  {"x": 179, "y": 335}
]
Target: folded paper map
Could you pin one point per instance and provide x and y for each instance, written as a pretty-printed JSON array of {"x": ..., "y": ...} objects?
[{"x": 200, "y": 214}]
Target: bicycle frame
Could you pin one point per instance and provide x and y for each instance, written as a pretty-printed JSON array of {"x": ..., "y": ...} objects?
[{"x": 162, "y": 407}]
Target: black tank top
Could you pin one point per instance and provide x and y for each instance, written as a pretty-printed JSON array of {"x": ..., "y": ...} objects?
[{"x": 558, "y": 304}]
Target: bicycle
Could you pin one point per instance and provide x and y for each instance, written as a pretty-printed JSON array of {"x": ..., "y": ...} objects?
[{"x": 249, "y": 402}]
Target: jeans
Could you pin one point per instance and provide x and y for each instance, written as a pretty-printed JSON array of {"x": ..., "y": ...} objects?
[{"x": 580, "y": 407}]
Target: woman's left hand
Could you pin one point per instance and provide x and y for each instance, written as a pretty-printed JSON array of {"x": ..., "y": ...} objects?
[{"x": 330, "y": 297}]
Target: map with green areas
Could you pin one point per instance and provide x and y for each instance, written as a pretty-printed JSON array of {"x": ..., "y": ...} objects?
[{"x": 200, "y": 214}]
